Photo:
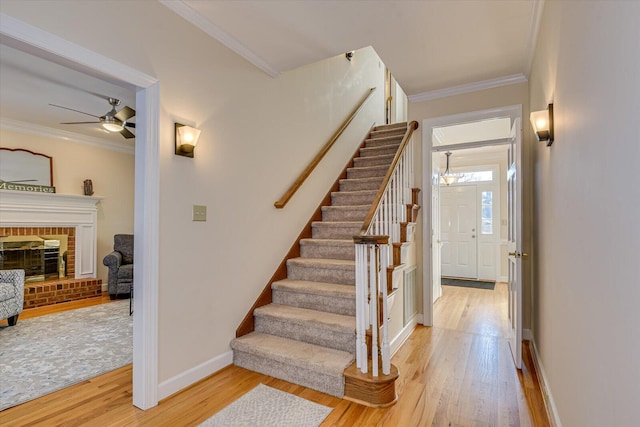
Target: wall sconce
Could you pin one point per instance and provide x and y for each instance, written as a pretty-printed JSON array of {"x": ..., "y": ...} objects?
[
  {"x": 542, "y": 123},
  {"x": 186, "y": 140},
  {"x": 349, "y": 55}
]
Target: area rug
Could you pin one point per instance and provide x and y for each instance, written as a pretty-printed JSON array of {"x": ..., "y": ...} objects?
[
  {"x": 48, "y": 353},
  {"x": 265, "y": 406},
  {"x": 478, "y": 284}
]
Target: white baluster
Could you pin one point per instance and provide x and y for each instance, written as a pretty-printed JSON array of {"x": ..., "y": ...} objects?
[
  {"x": 373, "y": 304},
  {"x": 386, "y": 348}
]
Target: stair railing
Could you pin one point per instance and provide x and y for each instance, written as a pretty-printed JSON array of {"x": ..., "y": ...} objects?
[
  {"x": 381, "y": 228},
  {"x": 316, "y": 160}
]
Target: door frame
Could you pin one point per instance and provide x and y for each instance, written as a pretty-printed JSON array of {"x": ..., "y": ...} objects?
[
  {"x": 511, "y": 111},
  {"x": 147, "y": 184}
]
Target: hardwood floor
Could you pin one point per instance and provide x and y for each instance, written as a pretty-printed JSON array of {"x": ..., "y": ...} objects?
[{"x": 457, "y": 373}]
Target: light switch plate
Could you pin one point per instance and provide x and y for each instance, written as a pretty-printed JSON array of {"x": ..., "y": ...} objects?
[{"x": 199, "y": 213}]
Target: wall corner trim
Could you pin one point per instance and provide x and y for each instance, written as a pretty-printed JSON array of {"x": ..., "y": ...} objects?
[
  {"x": 467, "y": 88},
  {"x": 549, "y": 403},
  {"x": 191, "y": 376}
]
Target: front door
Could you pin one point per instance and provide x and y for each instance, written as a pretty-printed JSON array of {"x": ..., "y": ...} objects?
[
  {"x": 514, "y": 207},
  {"x": 436, "y": 239},
  {"x": 458, "y": 222}
]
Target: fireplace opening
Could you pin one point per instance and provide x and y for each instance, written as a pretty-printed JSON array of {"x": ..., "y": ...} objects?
[{"x": 41, "y": 257}]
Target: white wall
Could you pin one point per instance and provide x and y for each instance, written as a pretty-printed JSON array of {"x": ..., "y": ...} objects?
[
  {"x": 258, "y": 134},
  {"x": 111, "y": 173},
  {"x": 475, "y": 101},
  {"x": 587, "y": 210}
]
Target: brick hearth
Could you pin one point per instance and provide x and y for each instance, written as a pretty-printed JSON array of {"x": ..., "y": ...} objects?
[{"x": 62, "y": 290}]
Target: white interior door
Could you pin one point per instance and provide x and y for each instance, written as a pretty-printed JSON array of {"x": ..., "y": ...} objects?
[
  {"x": 458, "y": 223},
  {"x": 514, "y": 209},
  {"x": 436, "y": 240}
]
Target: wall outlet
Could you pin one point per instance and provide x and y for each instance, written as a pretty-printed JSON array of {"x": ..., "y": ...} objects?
[{"x": 199, "y": 213}]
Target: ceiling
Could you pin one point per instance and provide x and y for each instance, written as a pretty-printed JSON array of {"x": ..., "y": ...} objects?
[
  {"x": 29, "y": 84},
  {"x": 428, "y": 45}
]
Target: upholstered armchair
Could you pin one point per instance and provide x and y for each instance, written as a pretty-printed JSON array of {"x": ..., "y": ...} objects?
[
  {"x": 120, "y": 263},
  {"x": 11, "y": 295}
]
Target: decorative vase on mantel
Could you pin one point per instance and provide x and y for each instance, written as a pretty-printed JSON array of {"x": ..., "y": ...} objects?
[{"x": 88, "y": 187}]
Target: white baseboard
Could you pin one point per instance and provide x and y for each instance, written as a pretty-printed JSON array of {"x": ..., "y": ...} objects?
[
  {"x": 397, "y": 342},
  {"x": 549, "y": 403},
  {"x": 193, "y": 375},
  {"x": 420, "y": 319}
]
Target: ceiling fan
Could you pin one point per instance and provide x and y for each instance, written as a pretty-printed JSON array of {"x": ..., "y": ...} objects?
[{"x": 113, "y": 121}]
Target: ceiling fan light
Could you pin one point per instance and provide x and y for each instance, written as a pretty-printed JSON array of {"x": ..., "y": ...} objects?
[{"x": 112, "y": 125}]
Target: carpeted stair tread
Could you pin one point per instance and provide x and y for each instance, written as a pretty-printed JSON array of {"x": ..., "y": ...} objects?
[
  {"x": 345, "y": 213},
  {"x": 388, "y": 132},
  {"x": 315, "y": 288},
  {"x": 322, "y": 359},
  {"x": 381, "y": 141},
  {"x": 327, "y": 248},
  {"x": 379, "y": 151},
  {"x": 398, "y": 125},
  {"x": 309, "y": 365},
  {"x": 324, "y": 262},
  {"x": 367, "y": 171},
  {"x": 338, "y": 271},
  {"x": 308, "y": 318},
  {"x": 353, "y": 198},
  {"x": 355, "y": 184},
  {"x": 335, "y": 229},
  {"x": 384, "y": 159},
  {"x": 328, "y": 297}
]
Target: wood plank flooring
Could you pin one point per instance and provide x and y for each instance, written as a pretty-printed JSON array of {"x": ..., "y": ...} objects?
[{"x": 457, "y": 373}]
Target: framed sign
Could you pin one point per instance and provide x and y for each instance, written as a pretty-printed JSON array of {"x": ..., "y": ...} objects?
[{"x": 19, "y": 167}]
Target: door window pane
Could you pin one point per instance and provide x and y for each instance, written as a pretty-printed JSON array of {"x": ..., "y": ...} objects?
[{"x": 487, "y": 212}]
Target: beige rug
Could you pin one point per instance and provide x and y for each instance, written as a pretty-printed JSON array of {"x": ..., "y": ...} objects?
[{"x": 265, "y": 406}]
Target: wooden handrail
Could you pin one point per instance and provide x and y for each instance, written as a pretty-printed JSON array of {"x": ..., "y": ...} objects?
[
  {"x": 305, "y": 174},
  {"x": 407, "y": 137}
]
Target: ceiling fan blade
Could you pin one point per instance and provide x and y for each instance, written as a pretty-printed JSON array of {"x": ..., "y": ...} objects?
[
  {"x": 125, "y": 114},
  {"x": 77, "y": 111},
  {"x": 77, "y": 123},
  {"x": 127, "y": 134},
  {"x": 131, "y": 125}
]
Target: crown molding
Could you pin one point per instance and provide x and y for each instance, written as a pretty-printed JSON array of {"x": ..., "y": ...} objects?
[
  {"x": 467, "y": 88},
  {"x": 536, "y": 15},
  {"x": 181, "y": 8},
  {"x": 33, "y": 129}
]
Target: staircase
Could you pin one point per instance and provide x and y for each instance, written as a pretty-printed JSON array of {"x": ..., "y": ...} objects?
[{"x": 307, "y": 334}]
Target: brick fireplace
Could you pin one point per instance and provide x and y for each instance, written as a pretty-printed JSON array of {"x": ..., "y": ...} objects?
[{"x": 41, "y": 214}]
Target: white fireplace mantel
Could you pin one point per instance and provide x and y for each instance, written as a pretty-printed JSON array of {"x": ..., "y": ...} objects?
[{"x": 31, "y": 209}]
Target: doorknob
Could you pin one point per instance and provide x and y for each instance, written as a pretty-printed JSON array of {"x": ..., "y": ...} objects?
[{"x": 519, "y": 255}]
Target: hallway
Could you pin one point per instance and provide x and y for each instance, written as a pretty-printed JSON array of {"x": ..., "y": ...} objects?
[{"x": 457, "y": 373}]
